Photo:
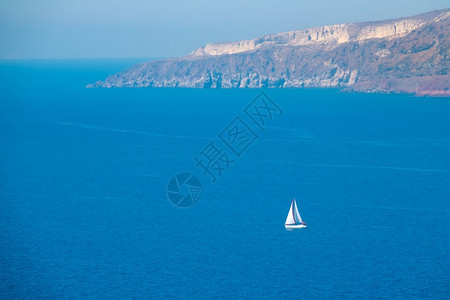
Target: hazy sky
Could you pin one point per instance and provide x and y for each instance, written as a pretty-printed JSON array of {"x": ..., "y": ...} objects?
[{"x": 139, "y": 28}]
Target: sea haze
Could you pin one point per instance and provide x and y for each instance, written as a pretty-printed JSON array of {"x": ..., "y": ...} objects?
[{"x": 84, "y": 211}]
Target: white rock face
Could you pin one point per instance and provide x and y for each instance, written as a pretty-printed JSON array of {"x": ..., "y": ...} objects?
[
  {"x": 393, "y": 30},
  {"x": 226, "y": 48},
  {"x": 331, "y": 35},
  {"x": 383, "y": 53}
]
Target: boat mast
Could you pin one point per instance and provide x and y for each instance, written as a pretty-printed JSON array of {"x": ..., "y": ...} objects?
[{"x": 293, "y": 207}]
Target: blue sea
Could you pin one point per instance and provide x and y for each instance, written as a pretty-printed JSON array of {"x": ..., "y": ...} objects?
[{"x": 85, "y": 213}]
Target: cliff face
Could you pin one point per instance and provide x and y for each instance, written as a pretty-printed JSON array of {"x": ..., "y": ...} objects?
[
  {"x": 404, "y": 55},
  {"x": 325, "y": 35}
]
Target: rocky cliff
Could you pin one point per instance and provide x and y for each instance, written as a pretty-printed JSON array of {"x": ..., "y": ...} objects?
[{"x": 404, "y": 55}]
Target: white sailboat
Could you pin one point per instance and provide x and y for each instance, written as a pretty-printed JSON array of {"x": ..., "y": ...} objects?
[{"x": 294, "y": 220}]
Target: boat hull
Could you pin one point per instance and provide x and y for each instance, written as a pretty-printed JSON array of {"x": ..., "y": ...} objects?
[{"x": 293, "y": 226}]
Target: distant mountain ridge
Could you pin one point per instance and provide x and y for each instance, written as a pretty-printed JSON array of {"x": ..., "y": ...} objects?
[{"x": 408, "y": 55}]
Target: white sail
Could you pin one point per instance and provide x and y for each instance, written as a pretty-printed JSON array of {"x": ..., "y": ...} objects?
[
  {"x": 290, "y": 217},
  {"x": 297, "y": 217},
  {"x": 294, "y": 220}
]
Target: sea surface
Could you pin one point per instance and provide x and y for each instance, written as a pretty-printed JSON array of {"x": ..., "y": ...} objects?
[{"x": 84, "y": 210}]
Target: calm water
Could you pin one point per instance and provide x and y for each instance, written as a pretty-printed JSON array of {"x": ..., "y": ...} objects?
[{"x": 84, "y": 211}]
